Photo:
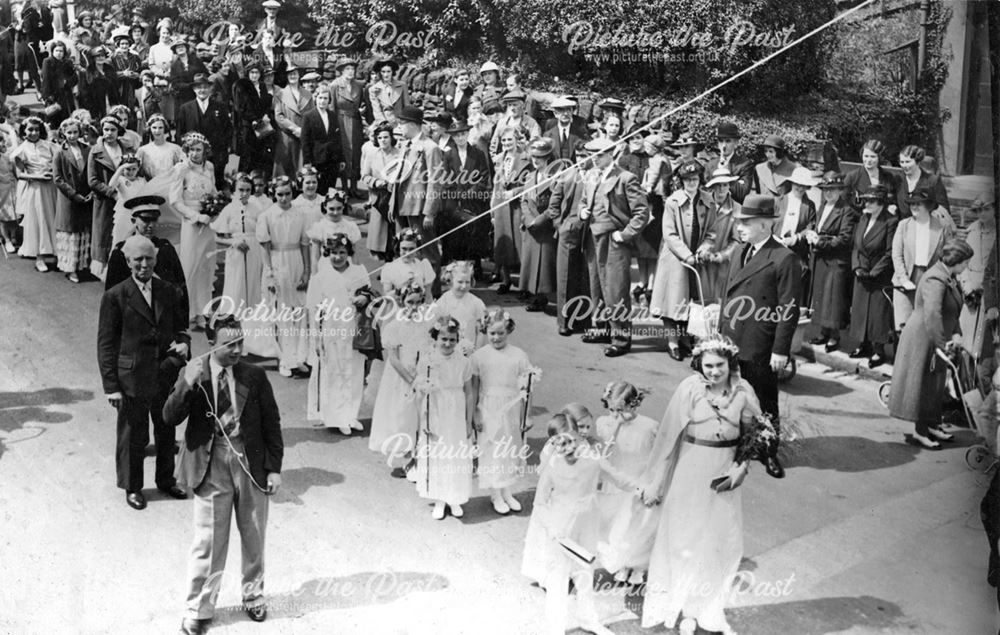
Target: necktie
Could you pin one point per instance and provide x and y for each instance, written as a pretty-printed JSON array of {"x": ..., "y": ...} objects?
[
  {"x": 748, "y": 254},
  {"x": 695, "y": 226},
  {"x": 508, "y": 166},
  {"x": 223, "y": 402},
  {"x": 562, "y": 136}
]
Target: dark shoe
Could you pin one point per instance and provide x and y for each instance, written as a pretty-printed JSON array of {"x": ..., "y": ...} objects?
[
  {"x": 535, "y": 307},
  {"x": 135, "y": 500},
  {"x": 299, "y": 373},
  {"x": 876, "y": 360},
  {"x": 503, "y": 289},
  {"x": 593, "y": 336},
  {"x": 617, "y": 351},
  {"x": 190, "y": 626},
  {"x": 397, "y": 472},
  {"x": 638, "y": 293},
  {"x": 861, "y": 351},
  {"x": 832, "y": 345},
  {"x": 816, "y": 341},
  {"x": 675, "y": 353},
  {"x": 565, "y": 331},
  {"x": 773, "y": 467},
  {"x": 256, "y": 613},
  {"x": 174, "y": 492}
]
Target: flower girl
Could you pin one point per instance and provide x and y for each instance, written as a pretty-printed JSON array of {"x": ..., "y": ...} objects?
[{"x": 461, "y": 304}]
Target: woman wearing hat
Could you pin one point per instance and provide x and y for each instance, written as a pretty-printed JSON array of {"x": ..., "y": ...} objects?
[
  {"x": 687, "y": 223},
  {"x": 182, "y": 71},
  {"x": 349, "y": 106},
  {"x": 468, "y": 184},
  {"x": 918, "y": 377},
  {"x": 140, "y": 45},
  {"x": 916, "y": 178},
  {"x": 538, "y": 240},
  {"x": 515, "y": 117},
  {"x": 796, "y": 213},
  {"x": 686, "y": 149},
  {"x": 726, "y": 243},
  {"x": 388, "y": 96},
  {"x": 656, "y": 178},
  {"x": 290, "y": 106},
  {"x": 490, "y": 89},
  {"x": 982, "y": 237},
  {"x": 96, "y": 84},
  {"x": 58, "y": 79},
  {"x": 27, "y": 35},
  {"x": 510, "y": 167},
  {"x": 253, "y": 117},
  {"x": 771, "y": 174},
  {"x": 916, "y": 247},
  {"x": 819, "y": 158},
  {"x": 831, "y": 243},
  {"x": 871, "y": 172},
  {"x": 871, "y": 266},
  {"x": 126, "y": 65}
]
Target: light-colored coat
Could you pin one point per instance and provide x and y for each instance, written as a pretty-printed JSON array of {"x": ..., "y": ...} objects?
[
  {"x": 289, "y": 114},
  {"x": 671, "y": 291},
  {"x": 903, "y": 247}
]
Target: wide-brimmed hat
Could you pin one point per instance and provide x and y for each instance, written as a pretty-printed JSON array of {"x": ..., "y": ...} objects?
[
  {"x": 380, "y": 64},
  {"x": 727, "y": 130},
  {"x": 178, "y": 41},
  {"x": 146, "y": 205},
  {"x": 459, "y": 125},
  {"x": 721, "y": 175},
  {"x": 489, "y": 66},
  {"x": 411, "y": 114},
  {"x": 878, "y": 193},
  {"x": 514, "y": 95},
  {"x": 774, "y": 141},
  {"x": 345, "y": 61},
  {"x": 832, "y": 180},
  {"x": 655, "y": 141},
  {"x": 541, "y": 147},
  {"x": 271, "y": 4},
  {"x": 690, "y": 168},
  {"x": 121, "y": 33},
  {"x": 612, "y": 104},
  {"x": 599, "y": 145},
  {"x": 442, "y": 117},
  {"x": 803, "y": 177},
  {"x": 311, "y": 76},
  {"x": 200, "y": 79},
  {"x": 685, "y": 140},
  {"x": 563, "y": 102},
  {"x": 756, "y": 206},
  {"x": 922, "y": 195}
]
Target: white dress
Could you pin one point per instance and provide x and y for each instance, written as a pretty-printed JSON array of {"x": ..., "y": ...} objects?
[
  {"x": 156, "y": 162},
  {"x": 312, "y": 207},
  {"x": 197, "y": 241},
  {"x": 444, "y": 459},
  {"x": 396, "y": 274},
  {"x": 36, "y": 200},
  {"x": 325, "y": 228},
  {"x": 121, "y": 223},
  {"x": 394, "y": 417},
  {"x": 285, "y": 230},
  {"x": 501, "y": 457},
  {"x": 337, "y": 381},
  {"x": 468, "y": 310},
  {"x": 699, "y": 538}
]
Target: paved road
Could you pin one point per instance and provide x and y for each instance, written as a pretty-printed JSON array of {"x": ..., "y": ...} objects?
[{"x": 869, "y": 534}]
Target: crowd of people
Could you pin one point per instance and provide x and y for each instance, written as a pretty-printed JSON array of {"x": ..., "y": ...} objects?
[{"x": 133, "y": 130}]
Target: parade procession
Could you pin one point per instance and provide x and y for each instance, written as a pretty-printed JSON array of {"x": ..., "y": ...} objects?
[{"x": 500, "y": 317}]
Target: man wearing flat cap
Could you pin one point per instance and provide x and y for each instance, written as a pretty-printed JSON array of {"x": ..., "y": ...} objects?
[
  {"x": 211, "y": 118},
  {"x": 770, "y": 175},
  {"x": 515, "y": 117},
  {"x": 615, "y": 207},
  {"x": 760, "y": 309},
  {"x": 728, "y": 138},
  {"x": 565, "y": 136}
]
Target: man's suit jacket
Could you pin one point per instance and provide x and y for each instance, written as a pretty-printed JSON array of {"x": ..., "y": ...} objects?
[
  {"x": 767, "y": 287},
  {"x": 416, "y": 189},
  {"x": 620, "y": 196},
  {"x": 564, "y": 150},
  {"x": 577, "y": 126},
  {"x": 564, "y": 204},
  {"x": 467, "y": 182},
  {"x": 181, "y": 78},
  {"x": 259, "y": 423},
  {"x": 214, "y": 123},
  {"x": 168, "y": 268},
  {"x": 132, "y": 338},
  {"x": 320, "y": 146},
  {"x": 460, "y": 111}
]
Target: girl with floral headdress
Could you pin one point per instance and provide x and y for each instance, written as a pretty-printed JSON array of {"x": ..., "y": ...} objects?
[
  {"x": 334, "y": 299},
  {"x": 626, "y": 439},
  {"x": 309, "y": 200},
  {"x": 446, "y": 403},
  {"x": 503, "y": 381},
  {"x": 330, "y": 223},
  {"x": 692, "y": 474},
  {"x": 405, "y": 340},
  {"x": 127, "y": 182},
  {"x": 461, "y": 304},
  {"x": 409, "y": 266}
]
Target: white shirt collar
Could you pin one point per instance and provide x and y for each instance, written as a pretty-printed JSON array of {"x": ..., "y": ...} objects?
[
  {"x": 757, "y": 246},
  {"x": 607, "y": 171}
]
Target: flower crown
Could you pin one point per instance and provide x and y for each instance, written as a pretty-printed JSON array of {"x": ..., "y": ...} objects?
[
  {"x": 409, "y": 234},
  {"x": 494, "y": 316},
  {"x": 615, "y": 390},
  {"x": 194, "y": 137},
  {"x": 458, "y": 266},
  {"x": 410, "y": 288},
  {"x": 446, "y": 324},
  {"x": 334, "y": 194},
  {"x": 128, "y": 159},
  {"x": 715, "y": 342},
  {"x": 306, "y": 170},
  {"x": 332, "y": 242}
]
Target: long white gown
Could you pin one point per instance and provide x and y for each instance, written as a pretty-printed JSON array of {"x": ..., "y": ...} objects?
[
  {"x": 444, "y": 459},
  {"x": 191, "y": 182},
  {"x": 501, "y": 455},
  {"x": 36, "y": 200},
  {"x": 337, "y": 381},
  {"x": 699, "y": 540}
]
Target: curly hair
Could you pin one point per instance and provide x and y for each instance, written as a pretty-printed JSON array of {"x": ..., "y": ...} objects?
[
  {"x": 497, "y": 316},
  {"x": 379, "y": 128},
  {"x": 407, "y": 235},
  {"x": 445, "y": 324},
  {"x": 335, "y": 241},
  {"x": 35, "y": 121}
]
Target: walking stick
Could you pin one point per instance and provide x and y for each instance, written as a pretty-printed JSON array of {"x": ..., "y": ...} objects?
[
  {"x": 427, "y": 436},
  {"x": 526, "y": 407}
]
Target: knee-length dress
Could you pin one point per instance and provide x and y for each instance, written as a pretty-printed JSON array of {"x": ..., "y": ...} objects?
[
  {"x": 394, "y": 417},
  {"x": 699, "y": 538},
  {"x": 197, "y": 240},
  {"x": 337, "y": 381},
  {"x": 444, "y": 458},
  {"x": 468, "y": 310},
  {"x": 36, "y": 199},
  {"x": 500, "y": 372},
  {"x": 396, "y": 274}
]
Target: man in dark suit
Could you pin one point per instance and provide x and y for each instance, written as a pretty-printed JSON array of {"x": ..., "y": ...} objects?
[
  {"x": 141, "y": 343},
  {"x": 760, "y": 309},
  {"x": 321, "y": 140},
  {"x": 231, "y": 458},
  {"x": 457, "y": 96},
  {"x": 615, "y": 207},
  {"x": 211, "y": 118},
  {"x": 728, "y": 137},
  {"x": 440, "y": 130},
  {"x": 578, "y": 125},
  {"x": 562, "y": 133},
  {"x": 145, "y": 214}
]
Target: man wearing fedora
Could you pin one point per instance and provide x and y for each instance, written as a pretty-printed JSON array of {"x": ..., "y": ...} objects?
[
  {"x": 562, "y": 132},
  {"x": 182, "y": 71},
  {"x": 416, "y": 186},
  {"x": 615, "y": 207},
  {"x": 760, "y": 308},
  {"x": 211, "y": 118},
  {"x": 577, "y": 124},
  {"x": 141, "y": 343},
  {"x": 458, "y": 95},
  {"x": 770, "y": 175},
  {"x": 728, "y": 138}
]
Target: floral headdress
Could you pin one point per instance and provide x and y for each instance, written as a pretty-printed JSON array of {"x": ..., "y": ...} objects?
[
  {"x": 494, "y": 316},
  {"x": 333, "y": 194},
  {"x": 457, "y": 266},
  {"x": 409, "y": 235},
  {"x": 337, "y": 240},
  {"x": 306, "y": 170},
  {"x": 624, "y": 393},
  {"x": 446, "y": 324},
  {"x": 129, "y": 158},
  {"x": 410, "y": 288},
  {"x": 715, "y": 342}
]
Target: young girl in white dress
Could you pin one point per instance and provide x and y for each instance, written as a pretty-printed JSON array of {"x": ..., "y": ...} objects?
[
  {"x": 260, "y": 193},
  {"x": 309, "y": 200},
  {"x": 331, "y": 222},
  {"x": 626, "y": 438},
  {"x": 461, "y": 304},
  {"x": 405, "y": 339},
  {"x": 128, "y": 183},
  {"x": 408, "y": 267},
  {"x": 36, "y": 193},
  {"x": 446, "y": 403},
  {"x": 334, "y": 299},
  {"x": 503, "y": 374},
  {"x": 8, "y": 187}
]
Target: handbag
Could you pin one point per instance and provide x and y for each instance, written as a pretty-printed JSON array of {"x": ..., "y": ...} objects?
[
  {"x": 367, "y": 336},
  {"x": 263, "y": 128}
]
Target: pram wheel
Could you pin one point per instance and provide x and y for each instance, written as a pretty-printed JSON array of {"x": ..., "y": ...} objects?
[
  {"x": 976, "y": 457},
  {"x": 883, "y": 393}
]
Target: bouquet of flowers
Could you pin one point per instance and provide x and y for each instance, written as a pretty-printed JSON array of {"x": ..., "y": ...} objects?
[
  {"x": 758, "y": 441},
  {"x": 212, "y": 204}
]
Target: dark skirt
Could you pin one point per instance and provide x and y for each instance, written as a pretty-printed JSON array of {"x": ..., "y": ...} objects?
[
  {"x": 538, "y": 262},
  {"x": 831, "y": 293},
  {"x": 507, "y": 234},
  {"x": 648, "y": 243},
  {"x": 471, "y": 242},
  {"x": 871, "y": 313}
]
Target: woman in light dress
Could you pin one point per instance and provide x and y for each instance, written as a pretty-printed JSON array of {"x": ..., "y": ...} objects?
[
  {"x": 462, "y": 304},
  {"x": 36, "y": 193},
  {"x": 156, "y": 161}
]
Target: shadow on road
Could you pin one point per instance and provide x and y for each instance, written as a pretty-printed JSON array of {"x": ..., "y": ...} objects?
[
  {"x": 806, "y": 385},
  {"x": 295, "y": 435},
  {"x": 297, "y": 481},
  {"x": 17, "y": 409},
  {"x": 846, "y": 454}
]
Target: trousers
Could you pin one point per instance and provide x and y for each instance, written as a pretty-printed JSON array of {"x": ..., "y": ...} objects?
[{"x": 132, "y": 438}]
